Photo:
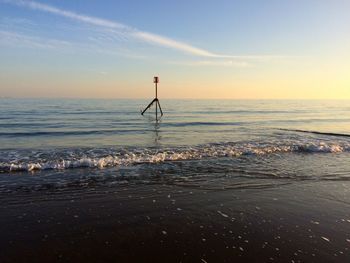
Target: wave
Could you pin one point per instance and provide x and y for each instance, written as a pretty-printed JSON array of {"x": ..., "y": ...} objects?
[
  {"x": 319, "y": 133},
  {"x": 201, "y": 123},
  {"x": 211, "y": 112},
  {"x": 66, "y": 133},
  {"x": 101, "y": 158}
]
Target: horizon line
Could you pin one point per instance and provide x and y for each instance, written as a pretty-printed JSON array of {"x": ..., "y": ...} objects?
[{"x": 166, "y": 98}]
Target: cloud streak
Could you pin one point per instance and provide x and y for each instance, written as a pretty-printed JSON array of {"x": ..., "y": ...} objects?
[
  {"x": 15, "y": 39},
  {"x": 127, "y": 30},
  {"x": 72, "y": 15},
  {"x": 9, "y": 38},
  {"x": 215, "y": 62}
]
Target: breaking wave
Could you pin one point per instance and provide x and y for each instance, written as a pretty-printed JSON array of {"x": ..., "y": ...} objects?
[{"x": 108, "y": 157}]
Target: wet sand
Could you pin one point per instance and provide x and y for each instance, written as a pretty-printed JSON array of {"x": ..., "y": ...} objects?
[{"x": 292, "y": 221}]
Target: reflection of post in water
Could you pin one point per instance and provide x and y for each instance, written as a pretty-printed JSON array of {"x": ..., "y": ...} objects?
[
  {"x": 157, "y": 137},
  {"x": 154, "y": 131},
  {"x": 155, "y": 100}
]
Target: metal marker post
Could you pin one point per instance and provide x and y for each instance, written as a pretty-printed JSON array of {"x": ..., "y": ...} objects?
[{"x": 155, "y": 100}]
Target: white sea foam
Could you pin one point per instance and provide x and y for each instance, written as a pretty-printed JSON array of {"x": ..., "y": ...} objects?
[{"x": 102, "y": 158}]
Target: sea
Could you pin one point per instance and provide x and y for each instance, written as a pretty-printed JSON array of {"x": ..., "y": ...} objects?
[{"x": 49, "y": 143}]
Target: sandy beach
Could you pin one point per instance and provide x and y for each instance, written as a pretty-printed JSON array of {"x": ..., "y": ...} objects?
[{"x": 287, "y": 222}]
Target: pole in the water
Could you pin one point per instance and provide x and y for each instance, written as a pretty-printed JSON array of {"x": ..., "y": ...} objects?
[{"x": 155, "y": 100}]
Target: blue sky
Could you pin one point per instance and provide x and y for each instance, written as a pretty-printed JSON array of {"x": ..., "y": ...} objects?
[{"x": 82, "y": 45}]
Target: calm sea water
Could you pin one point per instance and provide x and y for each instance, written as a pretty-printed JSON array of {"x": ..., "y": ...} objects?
[{"x": 62, "y": 142}]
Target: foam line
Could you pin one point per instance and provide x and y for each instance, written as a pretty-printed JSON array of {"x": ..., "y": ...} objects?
[{"x": 112, "y": 158}]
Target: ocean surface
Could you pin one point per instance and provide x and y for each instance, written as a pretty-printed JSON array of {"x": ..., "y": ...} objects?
[{"x": 56, "y": 144}]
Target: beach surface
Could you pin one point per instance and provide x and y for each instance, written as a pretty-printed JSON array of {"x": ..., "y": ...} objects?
[{"x": 288, "y": 222}]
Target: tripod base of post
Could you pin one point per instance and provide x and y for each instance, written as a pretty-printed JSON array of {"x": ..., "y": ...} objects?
[{"x": 150, "y": 105}]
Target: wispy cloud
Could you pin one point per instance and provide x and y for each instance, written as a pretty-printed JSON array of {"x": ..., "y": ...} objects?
[
  {"x": 111, "y": 30},
  {"x": 221, "y": 63},
  {"x": 15, "y": 39},
  {"x": 16, "y": 21},
  {"x": 167, "y": 42},
  {"x": 9, "y": 38},
  {"x": 127, "y": 30},
  {"x": 57, "y": 11}
]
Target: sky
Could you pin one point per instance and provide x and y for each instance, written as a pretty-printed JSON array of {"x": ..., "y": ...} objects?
[{"x": 200, "y": 49}]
